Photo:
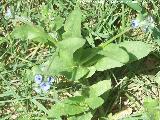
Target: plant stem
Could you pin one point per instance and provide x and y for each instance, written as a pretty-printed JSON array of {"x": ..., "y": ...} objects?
[{"x": 115, "y": 37}]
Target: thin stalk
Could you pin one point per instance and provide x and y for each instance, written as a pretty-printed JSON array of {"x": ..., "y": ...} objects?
[
  {"x": 115, "y": 37},
  {"x": 105, "y": 44}
]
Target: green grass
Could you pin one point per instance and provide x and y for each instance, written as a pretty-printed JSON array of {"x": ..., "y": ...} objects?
[{"x": 38, "y": 31}]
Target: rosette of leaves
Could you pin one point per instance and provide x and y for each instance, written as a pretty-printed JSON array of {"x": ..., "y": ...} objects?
[{"x": 75, "y": 61}]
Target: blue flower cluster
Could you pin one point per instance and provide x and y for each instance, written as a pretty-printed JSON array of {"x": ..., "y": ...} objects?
[
  {"x": 135, "y": 23},
  {"x": 43, "y": 85},
  {"x": 145, "y": 25}
]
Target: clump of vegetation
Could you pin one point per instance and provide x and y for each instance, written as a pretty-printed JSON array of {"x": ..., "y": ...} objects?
[{"x": 79, "y": 60}]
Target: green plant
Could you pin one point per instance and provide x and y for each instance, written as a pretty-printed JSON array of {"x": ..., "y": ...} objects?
[
  {"x": 74, "y": 55},
  {"x": 72, "y": 60}
]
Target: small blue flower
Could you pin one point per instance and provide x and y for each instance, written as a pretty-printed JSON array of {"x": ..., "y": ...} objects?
[
  {"x": 45, "y": 86},
  {"x": 135, "y": 24},
  {"x": 51, "y": 79},
  {"x": 146, "y": 24},
  {"x": 38, "y": 78},
  {"x": 8, "y": 13}
]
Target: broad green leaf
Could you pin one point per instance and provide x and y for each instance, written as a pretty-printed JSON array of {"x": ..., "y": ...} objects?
[
  {"x": 79, "y": 72},
  {"x": 99, "y": 88},
  {"x": 65, "y": 58},
  {"x": 85, "y": 116},
  {"x": 107, "y": 63},
  {"x": 93, "y": 60},
  {"x": 60, "y": 109},
  {"x": 86, "y": 56},
  {"x": 62, "y": 59},
  {"x": 79, "y": 100},
  {"x": 72, "y": 25},
  {"x": 70, "y": 45},
  {"x": 58, "y": 21},
  {"x": 58, "y": 63},
  {"x": 116, "y": 53},
  {"x": 71, "y": 109},
  {"x": 31, "y": 32},
  {"x": 74, "y": 100},
  {"x": 75, "y": 105},
  {"x": 57, "y": 110},
  {"x": 61, "y": 62},
  {"x": 133, "y": 4},
  {"x": 92, "y": 70},
  {"x": 94, "y": 102},
  {"x": 136, "y": 49},
  {"x": 114, "y": 57}
]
